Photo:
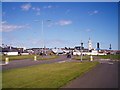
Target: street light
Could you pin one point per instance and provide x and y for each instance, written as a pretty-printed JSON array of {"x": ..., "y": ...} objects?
[
  {"x": 110, "y": 51},
  {"x": 43, "y": 50},
  {"x": 42, "y": 35},
  {"x": 81, "y": 50}
]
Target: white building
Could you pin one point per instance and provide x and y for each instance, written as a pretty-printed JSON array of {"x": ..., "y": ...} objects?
[
  {"x": 11, "y": 53},
  {"x": 89, "y": 44},
  {"x": 90, "y": 50}
]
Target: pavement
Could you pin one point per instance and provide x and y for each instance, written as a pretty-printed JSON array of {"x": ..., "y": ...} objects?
[{"x": 104, "y": 75}]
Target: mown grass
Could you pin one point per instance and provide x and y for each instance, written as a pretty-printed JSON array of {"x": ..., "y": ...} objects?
[
  {"x": 87, "y": 57},
  {"x": 83, "y": 57},
  {"x": 45, "y": 75},
  {"x": 21, "y": 57},
  {"x": 18, "y": 57},
  {"x": 47, "y": 58},
  {"x": 109, "y": 57}
]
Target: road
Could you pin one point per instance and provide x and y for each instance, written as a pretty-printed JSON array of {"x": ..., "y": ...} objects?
[
  {"x": 105, "y": 75},
  {"x": 30, "y": 62}
]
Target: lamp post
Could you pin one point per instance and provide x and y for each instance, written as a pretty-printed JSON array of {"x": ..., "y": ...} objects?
[
  {"x": 110, "y": 51},
  {"x": 42, "y": 32},
  {"x": 81, "y": 50},
  {"x": 42, "y": 36}
]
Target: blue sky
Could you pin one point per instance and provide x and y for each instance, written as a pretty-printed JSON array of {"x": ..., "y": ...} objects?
[{"x": 64, "y": 24}]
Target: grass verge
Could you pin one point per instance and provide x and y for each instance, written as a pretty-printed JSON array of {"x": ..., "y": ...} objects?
[
  {"x": 21, "y": 57},
  {"x": 48, "y": 57},
  {"x": 18, "y": 57},
  {"x": 83, "y": 57},
  {"x": 109, "y": 57},
  {"x": 45, "y": 75}
]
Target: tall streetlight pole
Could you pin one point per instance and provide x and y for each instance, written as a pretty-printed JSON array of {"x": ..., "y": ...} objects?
[
  {"x": 42, "y": 36},
  {"x": 42, "y": 27},
  {"x": 110, "y": 51},
  {"x": 81, "y": 50}
]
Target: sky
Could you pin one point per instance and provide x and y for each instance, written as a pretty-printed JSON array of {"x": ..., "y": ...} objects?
[{"x": 60, "y": 24}]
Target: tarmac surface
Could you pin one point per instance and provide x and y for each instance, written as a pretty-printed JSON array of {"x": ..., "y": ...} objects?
[
  {"x": 30, "y": 62},
  {"x": 104, "y": 75}
]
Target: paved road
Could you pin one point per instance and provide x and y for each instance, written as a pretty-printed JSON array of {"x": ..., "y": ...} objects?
[
  {"x": 104, "y": 75},
  {"x": 29, "y": 62}
]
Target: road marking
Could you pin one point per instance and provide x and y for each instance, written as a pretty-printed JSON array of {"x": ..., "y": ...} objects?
[
  {"x": 2, "y": 64},
  {"x": 110, "y": 63},
  {"x": 61, "y": 61}
]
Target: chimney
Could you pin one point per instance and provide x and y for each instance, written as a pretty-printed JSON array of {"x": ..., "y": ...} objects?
[{"x": 98, "y": 46}]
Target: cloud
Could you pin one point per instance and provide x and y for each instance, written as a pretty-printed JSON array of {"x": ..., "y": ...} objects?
[
  {"x": 55, "y": 43},
  {"x": 51, "y": 24},
  {"x": 88, "y": 30},
  {"x": 60, "y": 23},
  {"x": 26, "y": 7},
  {"x": 37, "y": 10},
  {"x": 49, "y": 6},
  {"x": 93, "y": 12},
  {"x": 11, "y": 27},
  {"x": 39, "y": 43},
  {"x": 64, "y": 22},
  {"x": 3, "y": 22}
]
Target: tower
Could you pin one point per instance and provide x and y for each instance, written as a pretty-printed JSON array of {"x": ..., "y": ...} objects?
[
  {"x": 98, "y": 46},
  {"x": 89, "y": 45},
  {"x": 110, "y": 47},
  {"x": 81, "y": 47}
]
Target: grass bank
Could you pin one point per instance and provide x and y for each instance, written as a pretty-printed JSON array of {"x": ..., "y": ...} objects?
[
  {"x": 47, "y": 57},
  {"x": 18, "y": 57},
  {"x": 21, "y": 57},
  {"x": 109, "y": 57},
  {"x": 83, "y": 57},
  {"x": 46, "y": 75}
]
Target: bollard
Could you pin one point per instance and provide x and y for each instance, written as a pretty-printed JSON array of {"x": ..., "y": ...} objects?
[
  {"x": 91, "y": 58},
  {"x": 6, "y": 60},
  {"x": 35, "y": 58}
]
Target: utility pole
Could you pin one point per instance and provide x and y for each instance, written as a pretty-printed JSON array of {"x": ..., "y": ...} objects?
[
  {"x": 81, "y": 50},
  {"x": 44, "y": 47},
  {"x": 110, "y": 51},
  {"x": 42, "y": 37}
]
